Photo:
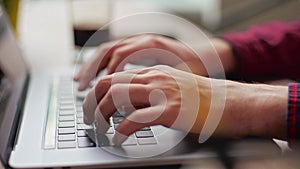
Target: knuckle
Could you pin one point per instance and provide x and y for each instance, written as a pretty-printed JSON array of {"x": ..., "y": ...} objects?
[
  {"x": 116, "y": 88},
  {"x": 110, "y": 66},
  {"x": 118, "y": 52},
  {"x": 154, "y": 40},
  {"x": 104, "y": 46},
  {"x": 104, "y": 82},
  {"x": 109, "y": 91},
  {"x": 161, "y": 67},
  {"x": 160, "y": 76},
  {"x": 148, "y": 88},
  {"x": 114, "y": 92},
  {"x": 154, "y": 76}
]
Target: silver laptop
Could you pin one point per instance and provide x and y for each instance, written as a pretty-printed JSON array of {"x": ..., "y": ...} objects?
[{"x": 41, "y": 123}]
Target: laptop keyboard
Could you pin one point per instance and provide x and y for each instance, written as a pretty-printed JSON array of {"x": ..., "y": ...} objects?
[{"x": 71, "y": 132}]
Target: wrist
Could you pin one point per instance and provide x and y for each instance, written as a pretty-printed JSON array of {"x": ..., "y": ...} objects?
[
  {"x": 254, "y": 110},
  {"x": 267, "y": 115},
  {"x": 225, "y": 53}
]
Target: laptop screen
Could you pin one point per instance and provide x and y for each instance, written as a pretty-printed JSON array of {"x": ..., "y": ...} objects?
[{"x": 13, "y": 75}]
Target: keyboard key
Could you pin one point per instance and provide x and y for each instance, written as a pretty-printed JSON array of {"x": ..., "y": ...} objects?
[
  {"x": 142, "y": 134},
  {"x": 116, "y": 126},
  {"x": 81, "y": 133},
  {"x": 117, "y": 120},
  {"x": 66, "y": 124},
  {"x": 66, "y": 102},
  {"x": 66, "y": 107},
  {"x": 84, "y": 127},
  {"x": 66, "y": 118},
  {"x": 66, "y": 144},
  {"x": 145, "y": 129},
  {"x": 79, "y": 109},
  {"x": 80, "y": 120},
  {"x": 130, "y": 141},
  {"x": 66, "y": 112},
  {"x": 145, "y": 141},
  {"x": 110, "y": 131},
  {"x": 105, "y": 140},
  {"x": 79, "y": 114},
  {"x": 66, "y": 131},
  {"x": 117, "y": 114},
  {"x": 78, "y": 102},
  {"x": 82, "y": 94},
  {"x": 65, "y": 86},
  {"x": 85, "y": 142},
  {"x": 67, "y": 137},
  {"x": 66, "y": 97},
  {"x": 65, "y": 90}
]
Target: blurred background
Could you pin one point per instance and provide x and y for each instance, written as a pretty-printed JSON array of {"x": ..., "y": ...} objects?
[
  {"x": 52, "y": 32},
  {"x": 76, "y": 20}
]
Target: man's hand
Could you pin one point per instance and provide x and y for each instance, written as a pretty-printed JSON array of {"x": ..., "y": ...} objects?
[
  {"x": 162, "y": 95},
  {"x": 159, "y": 95},
  {"x": 158, "y": 49}
]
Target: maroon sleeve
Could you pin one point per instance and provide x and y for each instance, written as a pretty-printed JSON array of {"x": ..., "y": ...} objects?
[{"x": 272, "y": 49}]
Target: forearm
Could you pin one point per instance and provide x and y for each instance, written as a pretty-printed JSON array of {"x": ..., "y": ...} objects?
[
  {"x": 249, "y": 110},
  {"x": 256, "y": 110},
  {"x": 270, "y": 111}
]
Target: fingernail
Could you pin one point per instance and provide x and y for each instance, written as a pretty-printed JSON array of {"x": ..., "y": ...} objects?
[{"x": 118, "y": 138}]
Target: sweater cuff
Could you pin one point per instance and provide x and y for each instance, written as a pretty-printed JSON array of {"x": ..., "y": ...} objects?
[{"x": 293, "y": 114}]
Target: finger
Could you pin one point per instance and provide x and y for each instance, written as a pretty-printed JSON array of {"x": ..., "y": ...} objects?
[
  {"x": 88, "y": 72},
  {"x": 133, "y": 123},
  {"x": 103, "y": 85},
  {"x": 101, "y": 88},
  {"x": 101, "y": 124},
  {"x": 134, "y": 44},
  {"x": 131, "y": 39},
  {"x": 121, "y": 56},
  {"x": 76, "y": 77},
  {"x": 100, "y": 60},
  {"x": 89, "y": 106},
  {"x": 123, "y": 95},
  {"x": 106, "y": 49},
  {"x": 84, "y": 80}
]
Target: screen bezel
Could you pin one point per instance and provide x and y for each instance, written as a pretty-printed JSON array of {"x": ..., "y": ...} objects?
[{"x": 14, "y": 107}]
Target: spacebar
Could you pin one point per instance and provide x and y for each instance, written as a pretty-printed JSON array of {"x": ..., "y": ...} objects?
[{"x": 50, "y": 128}]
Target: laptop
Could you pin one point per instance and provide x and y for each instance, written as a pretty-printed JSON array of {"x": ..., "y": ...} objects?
[{"x": 41, "y": 123}]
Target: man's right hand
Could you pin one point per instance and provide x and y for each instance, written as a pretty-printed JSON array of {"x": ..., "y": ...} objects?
[{"x": 114, "y": 55}]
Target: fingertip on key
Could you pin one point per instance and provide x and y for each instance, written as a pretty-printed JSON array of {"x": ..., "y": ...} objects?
[
  {"x": 119, "y": 138},
  {"x": 81, "y": 87},
  {"x": 87, "y": 121},
  {"x": 76, "y": 78}
]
